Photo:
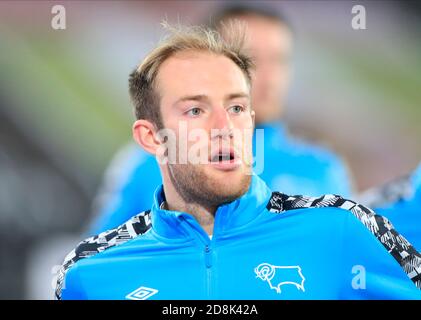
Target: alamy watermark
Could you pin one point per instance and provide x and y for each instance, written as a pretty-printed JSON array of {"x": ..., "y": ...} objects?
[
  {"x": 359, "y": 20},
  {"x": 58, "y": 21},
  {"x": 359, "y": 280},
  {"x": 199, "y": 147}
]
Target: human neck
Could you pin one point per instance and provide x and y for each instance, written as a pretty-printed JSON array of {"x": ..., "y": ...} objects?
[{"x": 205, "y": 215}]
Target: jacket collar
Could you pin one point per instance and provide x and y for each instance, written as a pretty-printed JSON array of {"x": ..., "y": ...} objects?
[{"x": 230, "y": 216}]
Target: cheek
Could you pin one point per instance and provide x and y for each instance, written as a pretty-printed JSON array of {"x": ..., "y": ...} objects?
[
  {"x": 245, "y": 121},
  {"x": 197, "y": 143},
  {"x": 198, "y": 140},
  {"x": 169, "y": 121},
  {"x": 244, "y": 130},
  {"x": 185, "y": 126}
]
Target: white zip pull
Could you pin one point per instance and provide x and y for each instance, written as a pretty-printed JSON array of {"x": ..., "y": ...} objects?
[{"x": 208, "y": 256}]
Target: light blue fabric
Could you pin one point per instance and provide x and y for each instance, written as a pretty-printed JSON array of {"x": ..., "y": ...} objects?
[{"x": 309, "y": 253}]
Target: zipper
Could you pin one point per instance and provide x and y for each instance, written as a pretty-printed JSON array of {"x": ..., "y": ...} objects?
[
  {"x": 208, "y": 264},
  {"x": 200, "y": 234},
  {"x": 210, "y": 255}
]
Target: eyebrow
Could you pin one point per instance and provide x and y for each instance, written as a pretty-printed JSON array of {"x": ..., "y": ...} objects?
[{"x": 205, "y": 98}]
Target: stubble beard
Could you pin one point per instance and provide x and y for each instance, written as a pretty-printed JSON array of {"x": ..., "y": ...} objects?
[{"x": 196, "y": 187}]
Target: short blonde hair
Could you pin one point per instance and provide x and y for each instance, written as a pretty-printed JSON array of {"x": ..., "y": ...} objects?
[{"x": 142, "y": 87}]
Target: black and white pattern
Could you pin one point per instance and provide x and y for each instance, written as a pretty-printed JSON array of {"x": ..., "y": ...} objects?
[
  {"x": 404, "y": 253},
  {"x": 392, "y": 192},
  {"x": 136, "y": 226}
]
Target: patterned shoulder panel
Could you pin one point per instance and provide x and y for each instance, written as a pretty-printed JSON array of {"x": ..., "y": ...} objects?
[
  {"x": 404, "y": 253},
  {"x": 134, "y": 227}
]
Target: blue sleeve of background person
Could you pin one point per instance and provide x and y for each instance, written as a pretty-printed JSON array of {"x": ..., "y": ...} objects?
[
  {"x": 364, "y": 257},
  {"x": 334, "y": 175},
  {"x": 323, "y": 165},
  {"x": 129, "y": 193},
  {"x": 293, "y": 166},
  {"x": 309, "y": 171}
]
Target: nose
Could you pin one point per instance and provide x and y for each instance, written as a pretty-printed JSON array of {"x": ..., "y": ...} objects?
[{"x": 222, "y": 122}]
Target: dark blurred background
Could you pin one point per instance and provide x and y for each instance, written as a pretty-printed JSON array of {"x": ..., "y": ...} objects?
[{"x": 65, "y": 110}]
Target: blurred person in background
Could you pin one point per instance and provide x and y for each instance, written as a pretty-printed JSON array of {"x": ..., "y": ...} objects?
[
  {"x": 399, "y": 201},
  {"x": 290, "y": 165}
]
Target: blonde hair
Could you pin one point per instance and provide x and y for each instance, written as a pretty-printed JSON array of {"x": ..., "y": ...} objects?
[{"x": 184, "y": 38}]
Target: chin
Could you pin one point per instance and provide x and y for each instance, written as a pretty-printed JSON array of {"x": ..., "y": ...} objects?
[
  {"x": 232, "y": 184},
  {"x": 228, "y": 176}
]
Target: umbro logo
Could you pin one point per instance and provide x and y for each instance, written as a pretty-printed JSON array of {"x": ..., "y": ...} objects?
[{"x": 141, "y": 293}]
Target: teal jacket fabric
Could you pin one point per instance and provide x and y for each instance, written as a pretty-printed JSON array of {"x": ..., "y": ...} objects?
[{"x": 265, "y": 245}]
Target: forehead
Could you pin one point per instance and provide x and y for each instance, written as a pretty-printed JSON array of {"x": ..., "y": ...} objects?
[{"x": 198, "y": 72}]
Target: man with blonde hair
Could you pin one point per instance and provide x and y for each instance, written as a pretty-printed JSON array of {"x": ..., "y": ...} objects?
[
  {"x": 215, "y": 230},
  {"x": 284, "y": 162}
]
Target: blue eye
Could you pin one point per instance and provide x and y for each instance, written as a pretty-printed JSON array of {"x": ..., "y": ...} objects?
[
  {"x": 194, "y": 111},
  {"x": 237, "y": 109}
]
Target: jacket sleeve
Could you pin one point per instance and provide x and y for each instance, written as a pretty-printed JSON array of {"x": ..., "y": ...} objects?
[{"x": 378, "y": 262}]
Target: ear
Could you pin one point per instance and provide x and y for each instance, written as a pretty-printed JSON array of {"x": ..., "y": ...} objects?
[{"x": 144, "y": 133}]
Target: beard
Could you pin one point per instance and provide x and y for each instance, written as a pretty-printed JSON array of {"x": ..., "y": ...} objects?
[{"x": 196, "y": 187}]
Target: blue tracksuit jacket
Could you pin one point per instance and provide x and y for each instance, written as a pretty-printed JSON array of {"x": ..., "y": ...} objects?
[{"x": 265, "y": 245}]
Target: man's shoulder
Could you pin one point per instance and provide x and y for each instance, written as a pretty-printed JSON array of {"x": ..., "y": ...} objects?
[
  {"x": 280, "y": 202},
  {"x": 323, "y": 213},
  {"x": 354, "y": 215},
  {"x": 333, "y": 207},
  {"x": 138, "y": 225}
]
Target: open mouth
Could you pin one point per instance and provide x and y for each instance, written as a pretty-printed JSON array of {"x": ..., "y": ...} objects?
[
  {"x": 225, "y": 160},
  {"x": 223, "y": 156}
]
